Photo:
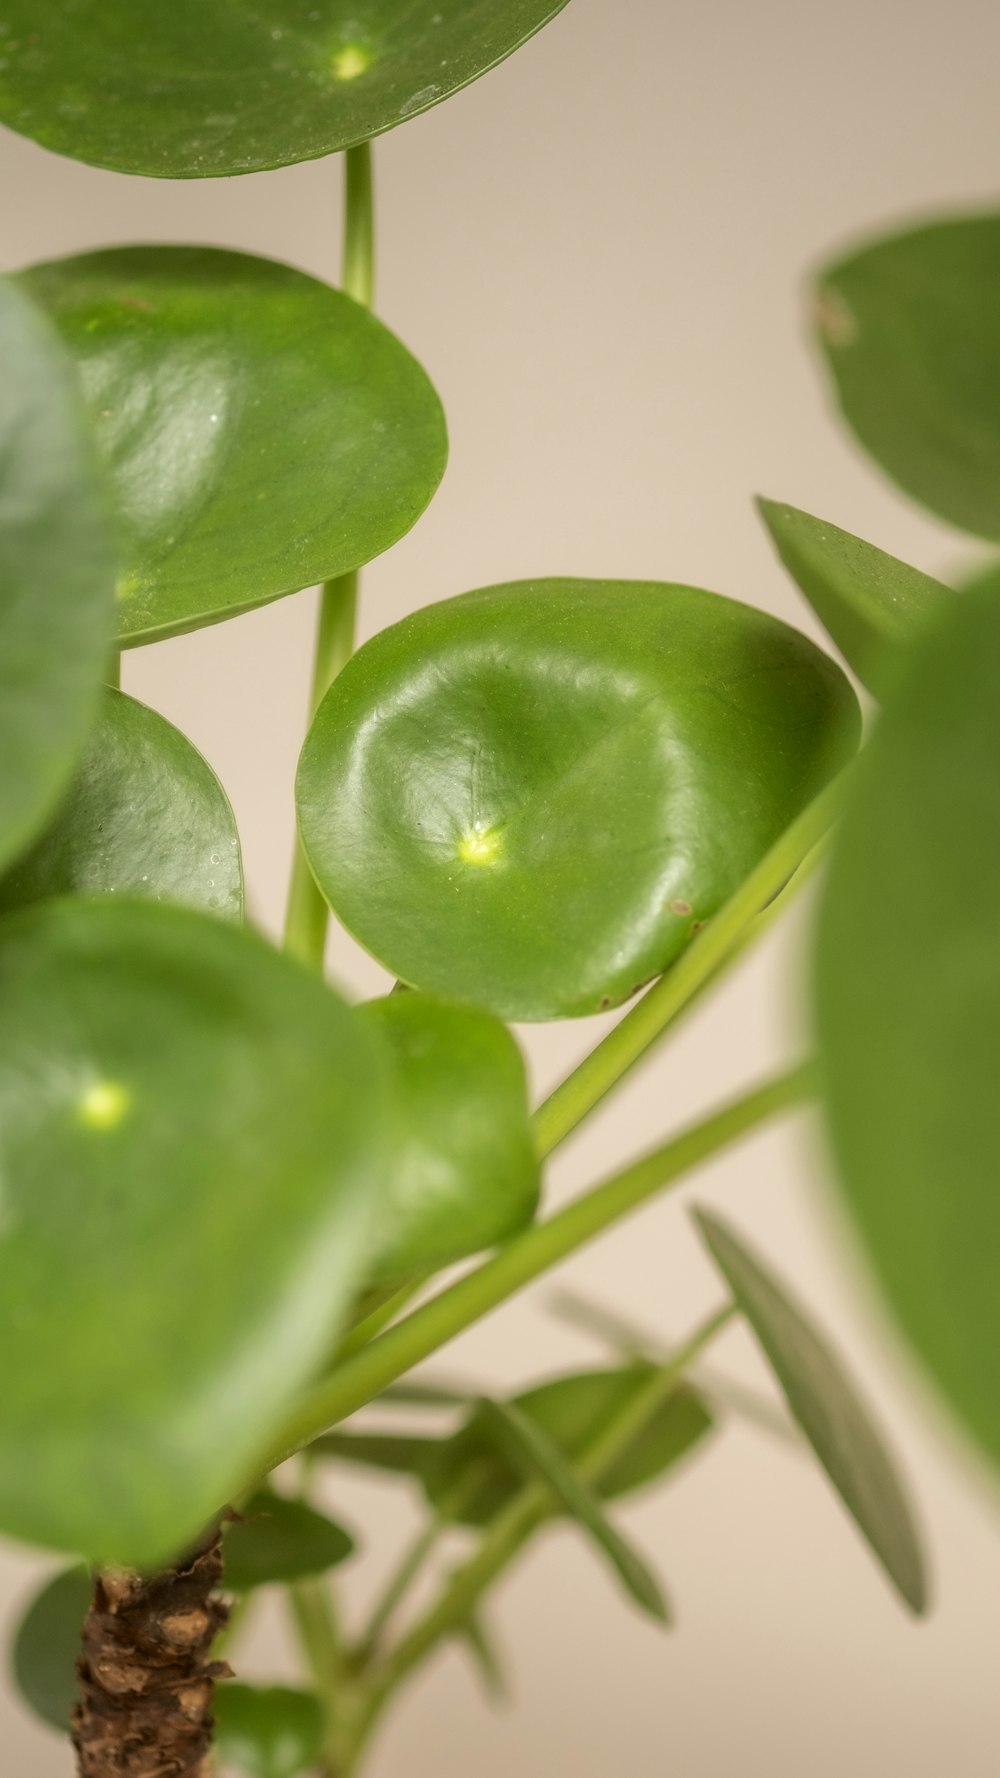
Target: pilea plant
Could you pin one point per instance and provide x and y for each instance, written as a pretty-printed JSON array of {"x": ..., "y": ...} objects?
[{"x": 222, "y": 1186}]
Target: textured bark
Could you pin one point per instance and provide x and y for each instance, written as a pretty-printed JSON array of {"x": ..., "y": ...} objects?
[{"x": 146, "y": 1673}]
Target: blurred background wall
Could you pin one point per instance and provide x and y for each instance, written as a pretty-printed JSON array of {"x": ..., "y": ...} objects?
[{"x": 599, "y": 252}]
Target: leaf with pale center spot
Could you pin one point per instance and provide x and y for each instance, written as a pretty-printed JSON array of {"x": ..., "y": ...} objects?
[{"x": 268, "y": 1731}]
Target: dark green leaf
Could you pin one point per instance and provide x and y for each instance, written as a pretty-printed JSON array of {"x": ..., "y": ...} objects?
[
  {"x": 281, "y": 1540},
  {"x": 194, "y": 1134},
  {"x": 466, "y": 1176},
  {"x": 146, "y": 816},
  {"x": 57, "y": 574},
  {"x": 196, "y": 89},
  {"x": 262, "y": 431},
  {"x": 909, "y": 1005},
  {"x": 399, "y": 1453},
  {"x": 911, "y": 330},
  {"x": 825, "y": 1402},
  {"x": 268, "y": 1731},
  {"x": 871, "y": 604},
  {"x": 531, "y": 796},
  {"x": 47, "y": 1647},
  {"x": 539, "y": 1458},
  {"x": 471, "y": 1480}
]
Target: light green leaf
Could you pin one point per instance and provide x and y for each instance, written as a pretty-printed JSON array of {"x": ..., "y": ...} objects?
[
  {"x": 268, "y": 1731},
  {"x": 47, "y": 1646},
  {"x": 57, "y": 574},
  {"x": 281, "y": 1540},
  {"x": 910, "y": 326},
  {"x": 262, "y": 432},
  {"x": 194, "y": 1135},
  {"x": 145, "y": 816},
  {"x": 908, "y": 997},
  {"x": 871, "y": 604},
  {"x": 532, "y": 796},
  {"x": 827, "y": 1406},
  {"x": 466, "y": 1176},
  {"x": 540, "y": 1458},
  {"x": 196, "y": 89}
]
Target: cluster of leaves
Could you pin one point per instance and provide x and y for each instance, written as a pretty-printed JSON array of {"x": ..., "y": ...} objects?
[{"x": 219, "y": 1181}]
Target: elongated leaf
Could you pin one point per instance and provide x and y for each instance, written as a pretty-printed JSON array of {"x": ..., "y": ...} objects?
[
  {"x": 57, "y": 574},
  {"x": 540, "y": 1458},
  {"x": 281, "y": 1540},
  {"x": 196, "y": 90},
  {"x": 466, "y": 1176},
  {"x": 47, "y": 1646},
  {"x": 193, "y": 1139},
  {"x": 826, "y": 1404},
  {"x": 268, "y": 1731},
  {"x": 145, "y": 816},
  {"x": 399, "y": 1453},
  {"x": 908, "y": 997},
  {"x": 871, "y": 604},
  {"x": 261, "y": 431},
  {"x": 531, "y": 796},
  {"x": 911, "y": 330}
]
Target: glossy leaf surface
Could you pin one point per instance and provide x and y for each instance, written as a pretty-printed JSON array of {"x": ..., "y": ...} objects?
[
  {"x": 532, "y": 795},
  {"x": 193, "y": 1140},
  {"x": 908, "y": 995},
  {"x": 47, "y": 1645},
  {"x": 207, "y": 87},
  {"x": 466, "y": 1176},
  {"x": 910, "y": 326},
  {"x": 870, "y": 603},
  {"x": 145, "y": 816},
  {"x": 279, "y": 1540},
  {"x": 268, "y": 1731},
  {"x": 262, "y": 432},
  {"x": 824, "y": 1401},
  {"x": 57, "y": 574},
  {"x": 471, "y": 1480}
]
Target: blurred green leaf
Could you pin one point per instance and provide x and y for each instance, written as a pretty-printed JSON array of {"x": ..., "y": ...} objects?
[
  {"x": 268, "y": 1731},
  {"x": 486, "y": 1660},
  {"x": 399, "y": 1453},
  {"x": 281, "y": 1540},
  {"x": 47, "y": 1646}
]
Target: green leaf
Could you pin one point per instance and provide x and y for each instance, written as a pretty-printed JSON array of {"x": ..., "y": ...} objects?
[
  {"x": 910, "y": 326},
  {"x": 261, "y": 431},
  {"x": 399, "y": 1453},
  {"x": 146, "y": 816},
  {"x": 268, "y": 1731},
  {"x": 470, "y": 1480},
  {"x": 281, "y": 1540},
  {"x": 539, "y": 1458},
  {"x": 194, "y": 90},
  {"x": 908, "y": 996},
  {"x": 466, "y": 1176},
  {"x": 533, "y": 795},
  {"x": 193, "y": 1138},
  {"x": 825, "y": 1402},
  {"x": 870, "y": 603},
  {"x": 57, "y": 574},
  {"x": 47, "y": 1646}
]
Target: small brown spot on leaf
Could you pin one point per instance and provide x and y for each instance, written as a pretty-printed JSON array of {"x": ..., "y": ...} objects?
[
  {"x": 833, "y": 318},
  {"x": 680, "y": 908}
]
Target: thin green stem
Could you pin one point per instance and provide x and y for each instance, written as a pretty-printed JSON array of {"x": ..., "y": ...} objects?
[
  {"x": 113, "y": 674},
  {"x": 721, "y": 939},
  {"x": 312, "y": 1615},
  {"x": 397, "y": 1589},
  {"x": 527, "y": 1257},
  {"x": 357, "y": 276}
]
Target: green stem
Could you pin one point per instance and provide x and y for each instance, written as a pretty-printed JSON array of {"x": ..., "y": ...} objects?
[
  {"x": 527, "y": 1257},
  {"x": 113, "y": 675},
  {"x": 397, "y": 1589},
  {"x": 312, "y": 1614},
  {"x": 728, "y": 932},
  {"x": 357, "y": 276}
]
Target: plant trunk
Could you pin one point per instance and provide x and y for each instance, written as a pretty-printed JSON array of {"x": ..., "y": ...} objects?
[{"x": 146, "y": 1674}]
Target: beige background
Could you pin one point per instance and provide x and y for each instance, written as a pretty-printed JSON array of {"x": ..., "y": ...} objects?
[{"x": 598, "y": 254}]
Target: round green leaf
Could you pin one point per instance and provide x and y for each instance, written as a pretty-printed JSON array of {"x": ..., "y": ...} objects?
[
  {"x": 870, "y": 603},
  {"x": 57, "y": 573},
  {"x": 268, "y": 1732},
  {"x": 910, "y": 327},
  {"x": 466, "y": 1176},
  {"x": 908, "y": 996},
  {"x": 262, "y": 432},
  {"x": 193, "y": 90},
  {"x": 533, "y": 795},
  {"x": 146, "y": 816},
  {"x": 194, "y": 1134},
  {"x": 281, "y": 1540},
  {"x": 47, "y": 1647},
  {"x": 471, "y": 1478},
  {"x": 826, "y": 1404}
]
